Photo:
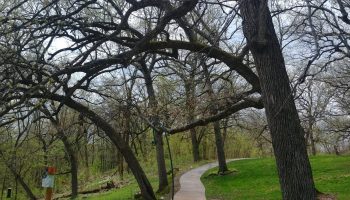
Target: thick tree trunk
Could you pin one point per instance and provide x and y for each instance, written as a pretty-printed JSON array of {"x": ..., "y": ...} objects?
[
  {"x": 220, "y": 148},
  {"x": 288, "y": 141}
]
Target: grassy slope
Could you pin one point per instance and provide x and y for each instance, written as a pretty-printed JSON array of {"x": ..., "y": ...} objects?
[{"x": 257, "y": 179}]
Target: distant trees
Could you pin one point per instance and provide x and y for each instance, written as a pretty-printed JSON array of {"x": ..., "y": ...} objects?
[
  {"x": 313, "y": 104},
  {"x": 336, "y": 126},
  {"x": 323, "y": 28},
  {"x": 188, "y": 73}
]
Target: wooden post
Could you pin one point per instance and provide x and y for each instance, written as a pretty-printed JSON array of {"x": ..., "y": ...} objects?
[
  {"x": 48, "y": 182},
  {"x": 49, "y": 192}
]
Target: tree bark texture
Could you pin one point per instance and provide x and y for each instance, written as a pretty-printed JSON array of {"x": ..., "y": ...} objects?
[{"x": 287, "y": 135}]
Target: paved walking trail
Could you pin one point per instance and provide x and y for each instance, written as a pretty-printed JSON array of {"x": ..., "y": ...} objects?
[{"x": 191, "y": 185}]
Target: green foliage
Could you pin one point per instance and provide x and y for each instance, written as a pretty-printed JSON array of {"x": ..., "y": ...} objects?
[
  {"x": 240, "y": 145},
  {"x": 257, "y": 179}
]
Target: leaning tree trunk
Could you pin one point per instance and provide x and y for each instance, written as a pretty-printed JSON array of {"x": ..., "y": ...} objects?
[
  {"x": 287, "y": 135},
  {"x": 116, "y": 138}
]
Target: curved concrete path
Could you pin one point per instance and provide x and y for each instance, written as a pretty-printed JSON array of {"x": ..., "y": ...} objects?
[{"x": 191, "y": 187}]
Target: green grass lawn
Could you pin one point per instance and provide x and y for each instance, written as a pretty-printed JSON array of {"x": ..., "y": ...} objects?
[
  {"x": 257, "y": 179},
  {"x": 124, "y": 193},
  {"x": 127, "y": 192}
]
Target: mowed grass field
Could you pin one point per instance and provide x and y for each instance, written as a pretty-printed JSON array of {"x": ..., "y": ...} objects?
[
  {"x": 257, "y": 179},
  {"x": 127, "y": 192}
]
